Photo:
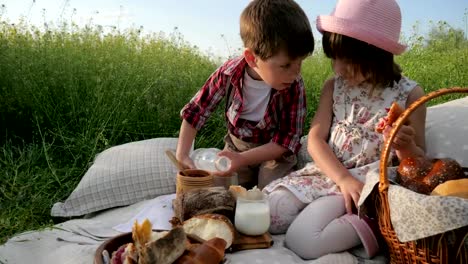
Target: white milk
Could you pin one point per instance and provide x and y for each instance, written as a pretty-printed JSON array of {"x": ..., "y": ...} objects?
[{"x": 252, "y": 217}]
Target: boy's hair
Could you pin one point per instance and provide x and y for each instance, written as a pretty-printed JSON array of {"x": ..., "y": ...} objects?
[
  {"x": 270, "y": 26},
  {"x": 375, "y": 64}
]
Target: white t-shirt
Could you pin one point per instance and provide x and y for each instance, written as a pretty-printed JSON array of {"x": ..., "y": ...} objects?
[{"x": 256, "y": 95}]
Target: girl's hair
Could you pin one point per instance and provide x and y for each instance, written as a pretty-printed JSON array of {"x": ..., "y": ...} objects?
[
  {"x": 270, "y": 26},
  {"x": 375, "y": 64}
]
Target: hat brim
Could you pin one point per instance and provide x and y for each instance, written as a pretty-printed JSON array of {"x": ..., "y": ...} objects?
[{"x": 355, "y": 30}]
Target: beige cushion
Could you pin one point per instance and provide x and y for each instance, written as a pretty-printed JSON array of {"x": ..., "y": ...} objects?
[{"x": 122, "y": 175}]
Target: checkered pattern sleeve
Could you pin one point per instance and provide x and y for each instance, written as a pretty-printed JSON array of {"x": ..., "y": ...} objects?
[{"x": 291, "y": 118}]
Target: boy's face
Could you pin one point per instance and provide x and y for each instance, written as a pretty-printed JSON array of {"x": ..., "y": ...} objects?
[{"x": 279, "y": 71}]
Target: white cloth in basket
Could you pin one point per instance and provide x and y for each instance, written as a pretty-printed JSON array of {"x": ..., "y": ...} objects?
[{"x": 415, "y": 216}]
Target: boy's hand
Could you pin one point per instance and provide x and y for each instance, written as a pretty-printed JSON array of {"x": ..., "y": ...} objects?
[
  {"x": 236, "y": 162},
  {"x": 186, "y": 162}
]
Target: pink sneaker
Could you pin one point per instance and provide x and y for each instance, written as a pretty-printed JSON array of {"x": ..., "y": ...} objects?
[{"x": 367, "y": 230}]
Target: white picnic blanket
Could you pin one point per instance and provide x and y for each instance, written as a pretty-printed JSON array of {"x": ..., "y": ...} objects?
[{"x": 75, "y": 241}]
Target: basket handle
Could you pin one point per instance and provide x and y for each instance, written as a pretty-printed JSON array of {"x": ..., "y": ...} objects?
[{"x": 383, "y": 184}]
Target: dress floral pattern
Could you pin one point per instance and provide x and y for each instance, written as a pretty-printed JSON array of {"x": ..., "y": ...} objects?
[{"x": 356, "y": 112}]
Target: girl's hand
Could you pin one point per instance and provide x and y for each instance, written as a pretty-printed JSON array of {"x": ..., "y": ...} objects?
[
  {"x": 404, "y": 139},
  {"x": 351, "y": 189}
]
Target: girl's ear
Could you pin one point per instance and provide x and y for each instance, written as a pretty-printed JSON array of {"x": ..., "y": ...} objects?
[{"x": 250, "y": 58}]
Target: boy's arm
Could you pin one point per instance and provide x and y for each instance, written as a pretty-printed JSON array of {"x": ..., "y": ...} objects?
[
  {"x": 195, "y": 113},
  {"x": 204, "y": 102},
  {"x": 269, "y": 151},
  {"x": 186, "y": 137}
]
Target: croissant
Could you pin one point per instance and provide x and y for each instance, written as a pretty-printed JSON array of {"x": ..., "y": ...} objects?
[{"x": 210, "y": 252}]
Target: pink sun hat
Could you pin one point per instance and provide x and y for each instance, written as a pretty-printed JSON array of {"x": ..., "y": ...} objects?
[{"x": 377, "y": 22}]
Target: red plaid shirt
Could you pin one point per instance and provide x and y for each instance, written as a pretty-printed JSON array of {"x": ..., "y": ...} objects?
[{"x": 283, "y": 120}]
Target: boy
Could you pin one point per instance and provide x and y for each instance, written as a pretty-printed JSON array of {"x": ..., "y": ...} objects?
[{"x": 264, "y": 91}]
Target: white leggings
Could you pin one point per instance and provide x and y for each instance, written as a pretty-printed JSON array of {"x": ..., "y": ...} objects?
[
  {"x": 318, "y": 230},
  {"x": 284, "y": 208}
]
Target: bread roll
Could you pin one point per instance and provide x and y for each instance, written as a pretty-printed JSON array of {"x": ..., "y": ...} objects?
[
  {"x": 208, "y": 226},
  {"x": 392, "y": 115},
  {"x": 237, "y": 191},
  {"x": 394, "y": 112},
  {"x": 458, "y": 188}
]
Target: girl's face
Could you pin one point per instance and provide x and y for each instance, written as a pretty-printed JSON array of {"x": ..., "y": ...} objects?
[
  {"x": 279, "y": 71},
  {"x": 346, "y": 71}
]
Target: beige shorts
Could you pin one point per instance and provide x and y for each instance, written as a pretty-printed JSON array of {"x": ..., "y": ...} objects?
[{"x": 260, "y": 174}]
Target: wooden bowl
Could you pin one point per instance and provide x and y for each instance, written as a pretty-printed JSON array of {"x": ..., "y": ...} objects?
[
  {"x": 111, "y": 245},
  {"x": 241, "y": 242}
]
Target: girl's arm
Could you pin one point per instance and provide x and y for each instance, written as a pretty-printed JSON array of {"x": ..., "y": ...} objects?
[
  {"x": 324, "y": 156},
  {"x": 410, "y": 141}
]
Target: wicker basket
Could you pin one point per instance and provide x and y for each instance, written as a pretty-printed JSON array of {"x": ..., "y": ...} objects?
[{"x": 449, "y": 247}]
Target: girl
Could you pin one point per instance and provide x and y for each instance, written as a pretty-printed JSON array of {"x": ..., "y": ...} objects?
[{"x": 315, "y": 204}]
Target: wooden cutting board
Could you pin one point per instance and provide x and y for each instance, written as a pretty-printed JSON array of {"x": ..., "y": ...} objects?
[{"x": 242, "y": 242}]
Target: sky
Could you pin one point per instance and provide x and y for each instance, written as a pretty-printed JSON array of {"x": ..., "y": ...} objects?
[{"x": 211, "y": 25}]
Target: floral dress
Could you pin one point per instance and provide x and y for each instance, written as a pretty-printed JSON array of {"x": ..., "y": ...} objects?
[{"x": 356, "y": 112}]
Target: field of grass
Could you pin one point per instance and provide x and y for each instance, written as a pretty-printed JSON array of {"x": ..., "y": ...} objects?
[{"x": 68, "y": 93}]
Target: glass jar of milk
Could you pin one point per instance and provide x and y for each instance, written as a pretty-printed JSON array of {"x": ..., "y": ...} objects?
[{"x": 252, "y": 216}]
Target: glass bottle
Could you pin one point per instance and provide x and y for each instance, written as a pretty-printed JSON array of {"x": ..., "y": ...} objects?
[{"x": 208, "y": 159}]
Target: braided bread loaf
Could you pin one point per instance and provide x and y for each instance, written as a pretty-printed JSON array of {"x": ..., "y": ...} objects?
[{"x": 422, "y": 175}]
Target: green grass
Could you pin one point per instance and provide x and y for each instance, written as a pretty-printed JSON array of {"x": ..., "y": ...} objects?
[{"x": 68, "y": 93}]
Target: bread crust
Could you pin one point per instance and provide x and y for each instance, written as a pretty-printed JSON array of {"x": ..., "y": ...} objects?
[
  {"x": 213, "y": 200},
  {"x": 392, "y": 115},
  {"x": 164, "y": 250},
  {"x": 394, "y": 112}
]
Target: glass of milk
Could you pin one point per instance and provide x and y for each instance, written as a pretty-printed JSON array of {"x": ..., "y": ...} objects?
[{"x": 252, "y": 216}]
